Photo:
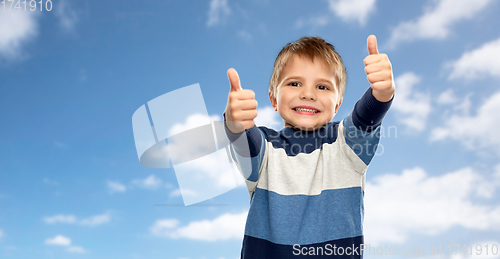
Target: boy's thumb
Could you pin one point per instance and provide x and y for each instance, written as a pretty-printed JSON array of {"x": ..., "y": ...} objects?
[
  {"x": 372, "y": 45},
  {"x": 234, "y": 80}
]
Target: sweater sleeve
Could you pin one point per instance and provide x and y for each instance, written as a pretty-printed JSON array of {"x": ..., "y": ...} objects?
[
  {"x": 361, "y": 129},
  {"x": 369, "y": 112},
  {"x": 247, "y": 150}
]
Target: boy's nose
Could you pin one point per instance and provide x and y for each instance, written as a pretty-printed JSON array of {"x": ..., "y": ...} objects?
[{"x": 307, "y": 94}]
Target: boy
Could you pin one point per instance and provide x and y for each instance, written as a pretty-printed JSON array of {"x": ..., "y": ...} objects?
[{"x": 306, "y": 182}]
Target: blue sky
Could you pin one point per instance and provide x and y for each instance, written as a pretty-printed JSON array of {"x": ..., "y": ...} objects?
[{"x": 71, "y": 185}]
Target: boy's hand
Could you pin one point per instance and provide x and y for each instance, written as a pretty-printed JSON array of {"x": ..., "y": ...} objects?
[
  {"x": 379, "y": 72},
  {"x": 241, "y": 108}
]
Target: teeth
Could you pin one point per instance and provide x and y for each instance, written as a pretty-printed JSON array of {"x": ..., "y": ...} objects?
[{"x": 306, "y": 110}]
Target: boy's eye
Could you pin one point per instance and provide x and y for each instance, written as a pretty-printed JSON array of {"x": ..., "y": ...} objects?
[
  {"x": 294, "y": 84},
  {"x": 322, "y": 87}
]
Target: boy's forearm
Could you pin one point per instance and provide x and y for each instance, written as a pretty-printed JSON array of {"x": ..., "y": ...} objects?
[
  {"x": 254, "y": 139},
  {"x": 369, "y": 111},
  {"x": 248, "y": 150}
]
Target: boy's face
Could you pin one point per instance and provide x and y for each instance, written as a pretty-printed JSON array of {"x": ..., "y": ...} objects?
[{"x": 306, "y": 97}]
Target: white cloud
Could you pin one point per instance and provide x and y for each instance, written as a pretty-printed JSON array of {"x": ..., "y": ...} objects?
[
  {"x": 447, "y": 97},
  {"x": 192, "y": 121},
  {"x": 268, "y": 117},
  {"x": 61, "y": 240},
  {"x": 184, "y": 148},
  {"x": 50, "y": 182},
  {"x": 175, "y": 193},
  {"x": 348, "y": 11},
  {"x": 151, "y": 182},
  {"x": 245, "y": 35},
  {"x": 66, "y": 14},
  {"x": 70, "y": 219},
  {"x": 200, "y": 171},
  {"x": 497, "y": 174},
  {"x": 398, "y": 205},
  {"x": 477, "y": 63},
  {"x": 16, "y": 29},
  {"x": 96, "y": 220},
  {"x": 436, "y": 21},
  {"x": 218, "y": 12},
  {"x": 226, "y": 226},
  {"x": 207, "y": 177},
  {"x": 411, "y": 107},
  {"x": 314, "y": 21},
  {"x": 185, "y": 191},
  {"x": 116, "y": 187},
  {"x": 353, "y": 10},
  {"x": 162, "y": 224},
  {"x": 476, "y": 132},
  {"x": 76, "y": 249},
  {"x": 58, "y": 240},
  {"x": 210, "y": 170}
]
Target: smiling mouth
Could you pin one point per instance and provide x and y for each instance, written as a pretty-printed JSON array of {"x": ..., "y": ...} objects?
[{"x": 305, "y": 110}]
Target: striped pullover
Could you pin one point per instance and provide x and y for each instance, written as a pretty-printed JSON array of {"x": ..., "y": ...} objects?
[{"x": 306, "y": 187}]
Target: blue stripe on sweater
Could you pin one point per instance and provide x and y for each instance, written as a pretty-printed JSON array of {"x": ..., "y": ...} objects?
[
  {"x": 295, "y": 141},
  {"x": 363, "y": 143},
  {"x": 256, "y": 248},
  {"x": 333, "y": 214}
]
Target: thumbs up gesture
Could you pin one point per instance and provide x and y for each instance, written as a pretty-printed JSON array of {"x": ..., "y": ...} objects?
[
  {"x": 378, "y": 71},
  {"x": 241, "y": 108}
]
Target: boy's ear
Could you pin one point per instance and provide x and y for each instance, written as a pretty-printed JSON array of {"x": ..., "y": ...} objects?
[
  {"x": 338, "y": 105},
  {"x": 273, "y": 100}
]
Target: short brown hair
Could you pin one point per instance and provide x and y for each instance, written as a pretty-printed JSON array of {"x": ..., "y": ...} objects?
[{"x": 310, "y": 47}]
